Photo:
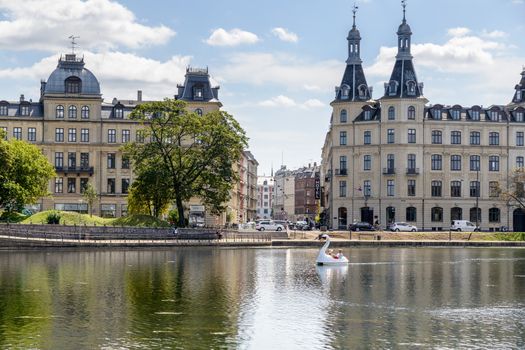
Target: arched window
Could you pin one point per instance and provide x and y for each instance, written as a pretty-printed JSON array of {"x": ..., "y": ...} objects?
[
  {"x": 391, "y": 113},
  {"x": 72, "y": 112},
  {"x": 494, "y": 215},
  {"x": 411, "y": 88},
  {"x": 73, "y": 85},
  {"x": 199, "y": 112},
  {"x": 84, "y": 112},
  {"x": 473, "y": 215},
  {"x": 456, "y": 213},
  {"x": 343, "y": 118},
  {"x": 118, "y": 112},
  {"x": 362, "y": 91},
  {"x": 198, "y": 93},
  {"x": 436, "y": 214},
  {"x": 345, "y": 92},
  {"x": 392, "y": 87},
  {"x": 411, "y": 214},
  {"x": 411, "y": 113},
  {"x": 60, "y": 112}
]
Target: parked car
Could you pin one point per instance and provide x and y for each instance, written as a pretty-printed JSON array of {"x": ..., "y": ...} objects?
[
  {"x": 268, "y": 225},
  {"x": 300, "y": 225},
  {"x": 361, "y": 226},
  {"x": 402, "y": 226},
  {"x": 281, "y": 222},
  {"x": 463, "y": 225}
]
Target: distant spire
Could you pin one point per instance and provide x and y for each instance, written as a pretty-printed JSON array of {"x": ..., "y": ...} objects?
[
  {"x": 354, "y": 10},
  {"x": 404, "y": 4},
  {"x": 73, "y": 43}
]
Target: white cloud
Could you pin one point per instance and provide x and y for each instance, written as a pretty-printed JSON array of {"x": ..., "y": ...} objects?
[
  {"x": 285, "y": 35},
  {"x": 285, "y": 70},
  {"x": 234, "y": 37},
  {"x": 157, "y": 79},
  {"x": 285, "y": 101},
  {"x": 459, "y": 31},
  {"x": 518, "y": 2},
  {"x": 101, "y": 25},
  {"x": 313, "y": 103},
  {"x": 495, "y": 34}
]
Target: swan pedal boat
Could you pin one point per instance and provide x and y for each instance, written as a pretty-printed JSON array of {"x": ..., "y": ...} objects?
[{"x": 325, "y": 259}]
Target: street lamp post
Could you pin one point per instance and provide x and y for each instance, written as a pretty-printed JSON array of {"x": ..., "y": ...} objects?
[{"x": 478, "y": 189}]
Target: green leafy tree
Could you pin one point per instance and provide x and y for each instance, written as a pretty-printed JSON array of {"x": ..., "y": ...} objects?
[
  {"x": 90, "y": 195},
  {"x": 197, "y": 153},
  {"x": 24, "y": 174},
  {"x": 150, "y": 193},
  {"x": 515, "y": 194}
]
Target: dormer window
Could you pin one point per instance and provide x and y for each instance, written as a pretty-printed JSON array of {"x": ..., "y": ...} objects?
[
  {"x": 494, "y": 116},
  {"x": 518, "y": 116},
  {"x": 392, "y": 87},
  {"x": 362, "y": 91},
  {"x": 368, "y": 115},
  {"x": 437, "y": 114},
  {"x": 73, "y": 85},
  {"x": 24, "y": 110},
  {"x": 345, "y": 92},
  {"x": 4, "y": 109},
  {"x": 456, "y": 114},
  {"x": 198, "y": 93},
  {"x": 411, "y": 88},
  {"x": 474, "y": 114},
  {"x": 518, "y": 95},
  {"x": 118, "y": 112}
]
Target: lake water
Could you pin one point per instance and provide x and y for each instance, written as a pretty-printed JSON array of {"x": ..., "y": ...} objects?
[{"x": 212, "y": 298}]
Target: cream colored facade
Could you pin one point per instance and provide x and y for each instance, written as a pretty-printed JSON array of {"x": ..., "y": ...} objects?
[
  {"x": 397, "y": 158},
  {"x": 82, "y": 136}
]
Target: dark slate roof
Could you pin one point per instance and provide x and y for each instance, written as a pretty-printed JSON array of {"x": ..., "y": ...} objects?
[
  {"x": 198, "y": 78},
  {"x": 402, "y": 74},
  {"x": 493, "y": 113},
  {"x": 369, "y": 113},
  {"x": 521, "y": 87},
  {"x": 72, "y": 66},
  {"x": 36, "y": 109},
  {"x": 354, "y": 80}
]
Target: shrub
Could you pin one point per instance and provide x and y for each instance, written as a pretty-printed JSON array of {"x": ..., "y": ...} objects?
[{"x": 53, "y": 218}]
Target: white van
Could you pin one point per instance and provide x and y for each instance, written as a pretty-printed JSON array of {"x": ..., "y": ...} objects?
[{"x": 463, "y": 225}]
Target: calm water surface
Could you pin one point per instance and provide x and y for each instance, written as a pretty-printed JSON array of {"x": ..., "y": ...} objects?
[{"x": 206, "y": 298}]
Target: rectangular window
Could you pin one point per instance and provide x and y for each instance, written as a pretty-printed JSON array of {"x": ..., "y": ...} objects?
[
  {"x": 475, "y": 138},
  {"x": 436, "y": 189},
  {"x": 84, "y": 160},
  {"x": 411, "y": 135},
  {"x": 455, "y": 189},
  {"x": 494, "y": 189},
  {"x": 474, "y": 188},
  {"x": 108, "y": 210},
  {"x": 411, "y": 163},
  {"x": 72, "y": 135},
  {"x": 411, "y": 188},
  {"x": 342, "y": 165},
  {"x": 342, "y": 138},
  {"x": 125, "y": 136},
  {"x": 367, "y": 162},
  {"x": 71, "y": 185},
  {"x": 520, "y": 162},
  {"x": 455, "y": 162},
  {"x": 111, "y": 186},
  {"x": 84, "y": 135},
  {"x": 59, "y": 160},
  {"x": 437, "y": 137},
  {"x": 125, "y": 162},
  {"x": 84, "y": 181},
  {"x": 474, "y": 114},
  {"x": 494, "y": 163},
  {"x": 390, "y": 163},
  {"x": 518, "y": 116},
  {"x": 367, "y": 188},
  {"x": 111, "y": 160},
  {"x": 456, "y": 114},
  {"x": 17, "y": 133},
  {"x": 59, "y": 135},
  {"x": 390, "y": 136},
  {"x": 436, "y": 162},
  {"x": 390, "y": 188},
  {"x": 475, "y": 163},
  {"x": 139, "y": 136},
  {"x": 519, "y": 138},
  {"x": 367, "y": 138},
  {"x": 342, "y": 188},
  {"x": 31, "y": 134},
  {"x": 72, "y": 160},
  {"x": 455, "y": 138},
  {"x": 125, "y": 186},
  {"x": 59, "y": 184},
  {"x": 112, "y": 136},
  {"x": 494, "y": 138}
]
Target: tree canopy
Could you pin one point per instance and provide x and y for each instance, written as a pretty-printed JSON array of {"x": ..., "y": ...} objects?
[
  {"x": 515, "y": 194},
  {"x": 193, "y": 155},
  {"x": 24, "y": 174}
]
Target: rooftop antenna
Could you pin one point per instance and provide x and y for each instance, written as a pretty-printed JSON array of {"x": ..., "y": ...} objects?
[
  {"x": 73, "y": 43},
  {"x": 404, "y": 4},
  {"x": 354, "y": 10}
]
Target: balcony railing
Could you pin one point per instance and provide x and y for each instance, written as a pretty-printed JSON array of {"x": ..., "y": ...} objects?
[
  {"x": 389, "y": 171},
  {"x": 412, "y": 171},
  {"x": 341, "y": 171},
  {"x": 78, "y": 170}
]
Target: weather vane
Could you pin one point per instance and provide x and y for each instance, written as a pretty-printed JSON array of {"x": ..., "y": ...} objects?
[
  {"x": 354, "y": 10},
  {"x": 73, "y": 43}
]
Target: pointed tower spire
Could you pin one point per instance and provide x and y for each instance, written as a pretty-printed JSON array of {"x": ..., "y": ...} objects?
[
  {"x": 519, "y": 95},
  {"x": 403, "y": 81},
  {"x": 353, "y": 87}
]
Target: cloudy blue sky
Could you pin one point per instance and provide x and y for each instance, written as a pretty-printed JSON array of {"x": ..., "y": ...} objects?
[{"x": 277, "y": 61}]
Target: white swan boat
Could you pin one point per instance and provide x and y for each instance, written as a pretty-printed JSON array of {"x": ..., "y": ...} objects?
[{"x": 326, "y": 259}]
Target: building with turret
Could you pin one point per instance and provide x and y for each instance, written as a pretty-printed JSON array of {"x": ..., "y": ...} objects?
[
  {"x": 399, "y": 158},
  {"x": 82, "y": 136}
]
